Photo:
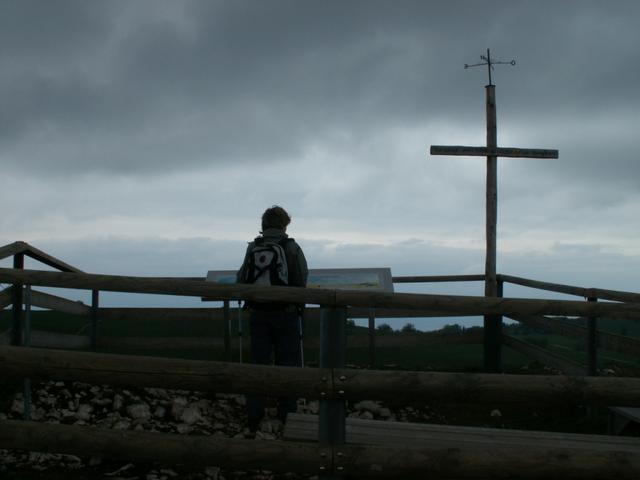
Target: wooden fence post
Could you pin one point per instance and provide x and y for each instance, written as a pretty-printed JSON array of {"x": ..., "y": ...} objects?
[
  {"x": 332, "y": 412},
  {"x": 16, "y": 328},
  {"x": 592, "y": 342},
  {"x": 372, "y": 338},
  {"x": 493, "y": 337},
  {"x": 227, "y": 330},
  {"x": 95, "y": 304},
  {"x": 26, "y": 341}
]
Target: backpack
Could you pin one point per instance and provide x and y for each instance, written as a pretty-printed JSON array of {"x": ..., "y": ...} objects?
[{"x": 268, "y": 263}]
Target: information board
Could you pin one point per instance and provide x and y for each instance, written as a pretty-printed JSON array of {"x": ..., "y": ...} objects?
[{"x": 370, "y": 279}]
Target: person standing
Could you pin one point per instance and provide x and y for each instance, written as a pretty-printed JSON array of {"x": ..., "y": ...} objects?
[{"x": 274, "y": 258}]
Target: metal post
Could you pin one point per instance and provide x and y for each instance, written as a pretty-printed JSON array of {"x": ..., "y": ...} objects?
[
  {"x": 372, "y": 337},
  {"x": 27, "y": 342},
  {"x": 16, "y": 327},
  {"x": 95, "y": 303},
  {"x": 592, "y": 342},
  {"x": 332, "y": 412},
  {"x": 301, "y": 336},
  {"x": 240, "y": 329}
]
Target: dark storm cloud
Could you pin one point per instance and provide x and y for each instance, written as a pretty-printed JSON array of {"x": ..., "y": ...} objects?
[{"x": 135, "y": 87}]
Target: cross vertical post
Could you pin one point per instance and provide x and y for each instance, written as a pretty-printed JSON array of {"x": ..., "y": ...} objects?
[{"x": 492, "y": 323}]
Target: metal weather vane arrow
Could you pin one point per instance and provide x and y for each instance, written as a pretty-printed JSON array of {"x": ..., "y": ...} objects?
[{"x": 489, "y": 63}]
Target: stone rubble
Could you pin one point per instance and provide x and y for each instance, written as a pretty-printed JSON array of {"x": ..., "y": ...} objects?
[{"x": 158, "y": 410}]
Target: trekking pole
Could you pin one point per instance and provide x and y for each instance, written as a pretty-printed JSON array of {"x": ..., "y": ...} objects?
[
  {"x": 240, "y": 329},
  {"x": 301, "y": 333}
]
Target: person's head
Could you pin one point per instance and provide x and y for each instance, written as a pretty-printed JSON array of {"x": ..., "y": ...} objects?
[{"x": 275, "y": 217}]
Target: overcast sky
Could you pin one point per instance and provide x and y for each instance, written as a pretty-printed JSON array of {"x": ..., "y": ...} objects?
[{"x": 147, "y": 137}]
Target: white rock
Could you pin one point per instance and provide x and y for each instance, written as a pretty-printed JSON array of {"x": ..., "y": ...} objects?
[
  {"x": 118, "y": 401},
  {"x": 204, "y": 406},
  {"x": 139, "y": 411},
  {"x": 157, "y": 392},
  {"x": 67, "y": 413},
  {"x": 177, "y": 407},
  {"x": 84, "y": 412},
  {"x": 191, "y": 415}
]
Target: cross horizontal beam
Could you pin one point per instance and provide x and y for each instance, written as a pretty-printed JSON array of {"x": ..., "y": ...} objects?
[{"x": 493, "y": 152}]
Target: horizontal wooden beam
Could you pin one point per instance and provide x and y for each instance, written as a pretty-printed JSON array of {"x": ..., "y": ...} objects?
[
  {"x": 494, "y": 442},
  {"x": 41, "y": 338},
  {"x": 129, "y": 370},
  {"x": 459, "y": 150},
  {"x": 487, "y": 388},
  {"x": 133, "y": 314},
  {"x": 438, "y": 278},
  {"x": 126, "y": 370},
  {"x": 568, "y": 367},
  {"x": 537, "y": 460},
  {"x": 166, "y": 448},
  {"x": 453, "y": 304},
  {"x": 598, "y": 293}
]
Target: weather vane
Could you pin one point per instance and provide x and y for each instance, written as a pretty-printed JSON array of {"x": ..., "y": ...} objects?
[{"x": 489, "y": 63}]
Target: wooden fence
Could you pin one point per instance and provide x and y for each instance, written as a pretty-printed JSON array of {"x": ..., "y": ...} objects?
[
  {"x": 619, "y": 458},
  {"x": 492, "y": 339},
  {"x": 331, "y": 384}
]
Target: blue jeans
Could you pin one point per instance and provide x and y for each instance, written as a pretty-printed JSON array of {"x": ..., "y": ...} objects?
[{"x": 273, "y": 333}]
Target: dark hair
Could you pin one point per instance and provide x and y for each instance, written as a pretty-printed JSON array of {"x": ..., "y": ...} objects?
[{"x": 275, "y": 217}]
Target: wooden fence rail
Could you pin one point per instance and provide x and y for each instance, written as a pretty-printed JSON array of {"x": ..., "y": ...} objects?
[
  {"x": 314, "y": 383},
  {"x": 619, "y": 460},
  {"x": 453, "y": 304},
  {"x": 613, "y": 295}
]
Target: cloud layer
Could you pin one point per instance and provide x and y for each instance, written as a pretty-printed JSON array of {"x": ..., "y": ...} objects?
[{"x": 134, "y": 126}]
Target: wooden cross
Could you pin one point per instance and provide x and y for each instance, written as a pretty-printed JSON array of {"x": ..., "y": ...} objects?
[{"x": 492, "y": 152}]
